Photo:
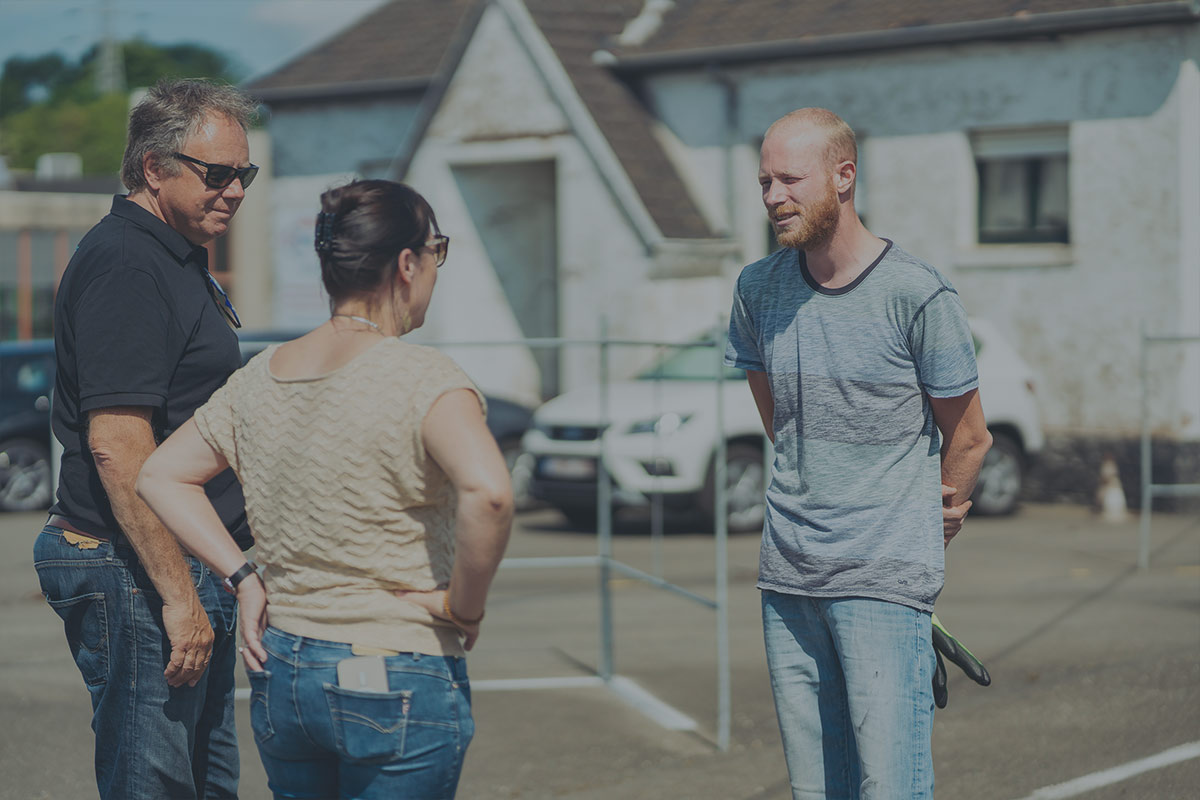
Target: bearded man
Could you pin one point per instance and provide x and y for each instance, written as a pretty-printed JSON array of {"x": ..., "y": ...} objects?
[{"x": 863, "y": 370}]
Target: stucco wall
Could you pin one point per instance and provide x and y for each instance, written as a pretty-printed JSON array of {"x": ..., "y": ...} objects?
[
  {"x": 331, "y": 137},
  {"x": 497, "y": 92},
  {"x": 1102, "y": 75}
]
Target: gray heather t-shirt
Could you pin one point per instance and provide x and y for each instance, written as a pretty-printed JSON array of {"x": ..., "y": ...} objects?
[{"x": 854, "y": 503}]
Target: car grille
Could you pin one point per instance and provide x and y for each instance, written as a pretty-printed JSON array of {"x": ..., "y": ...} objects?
[{"x": 575, "y": 433}]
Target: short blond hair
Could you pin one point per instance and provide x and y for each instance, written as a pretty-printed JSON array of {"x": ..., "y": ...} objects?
[{"x": 841, "y": 143}]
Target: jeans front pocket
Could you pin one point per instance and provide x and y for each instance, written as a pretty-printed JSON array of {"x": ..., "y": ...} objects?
[
  {"x": 369, "y": 727},
  {"x": 86, "y": 623},
  {"x": 260, "y": 711}
]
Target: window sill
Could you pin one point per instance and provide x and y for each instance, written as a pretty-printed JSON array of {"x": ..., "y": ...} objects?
[{"x": 1015, "y": 256}]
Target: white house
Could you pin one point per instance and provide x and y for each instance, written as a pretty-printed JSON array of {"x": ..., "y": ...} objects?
[{"x": 598, "y": 160}]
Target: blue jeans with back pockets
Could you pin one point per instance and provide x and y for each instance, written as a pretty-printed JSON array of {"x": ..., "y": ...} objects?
[
  {"x": 852, "y": 679},
  {"x": 153, "y": 742},
  {"x": 320, "y": 740}
]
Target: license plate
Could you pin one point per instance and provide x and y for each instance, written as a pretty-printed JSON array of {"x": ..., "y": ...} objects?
[{"x": 570, "y": 469}]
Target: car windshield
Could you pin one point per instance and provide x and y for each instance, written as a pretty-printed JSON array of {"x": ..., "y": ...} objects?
[
  {"x": 28, "y": 374},
  {"x": 689, "y": 364}
]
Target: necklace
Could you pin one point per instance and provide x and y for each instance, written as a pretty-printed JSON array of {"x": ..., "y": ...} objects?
[{"x": 363, "y": 320}]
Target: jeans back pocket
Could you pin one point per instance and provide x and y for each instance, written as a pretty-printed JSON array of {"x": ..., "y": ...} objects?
[
  {"x": 260, "y": 714},
  {"x": 86, "y": 624},
  {"x": 369, "y": 727}
]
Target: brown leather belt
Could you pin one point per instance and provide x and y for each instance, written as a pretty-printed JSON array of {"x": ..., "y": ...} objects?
[{"x": 65, "y": 524}]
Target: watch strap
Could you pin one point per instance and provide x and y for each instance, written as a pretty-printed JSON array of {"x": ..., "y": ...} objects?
[{"x": 239, "y": 575}]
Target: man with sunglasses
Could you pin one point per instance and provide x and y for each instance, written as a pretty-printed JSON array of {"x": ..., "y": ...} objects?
[{"x": 143, "y": 338}]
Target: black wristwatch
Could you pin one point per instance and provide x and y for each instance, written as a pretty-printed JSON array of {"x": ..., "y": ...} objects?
[{"x": 243, "y": 572}]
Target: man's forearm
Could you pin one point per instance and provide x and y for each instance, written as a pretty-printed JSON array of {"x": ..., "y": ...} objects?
[
  {"x": 961, "y": 462},
  {"x": 965, "y": 441},
  {"x": 119, "y": 447},
  {"x": 156, "y": 548}
]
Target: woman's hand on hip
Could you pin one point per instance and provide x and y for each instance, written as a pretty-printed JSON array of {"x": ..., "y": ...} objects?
[
  {"x": 252, "y": 614},
  {"x": 434, "y": 603}
]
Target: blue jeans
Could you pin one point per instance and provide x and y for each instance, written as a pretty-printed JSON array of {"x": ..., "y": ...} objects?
[
  {"x": 852, "y": 679},
  {"x": 318, "y": 740},
  {"x": 152, "y": 741}
]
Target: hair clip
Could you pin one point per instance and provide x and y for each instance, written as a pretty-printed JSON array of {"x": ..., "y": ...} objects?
[{"x": 323, "y": 239}]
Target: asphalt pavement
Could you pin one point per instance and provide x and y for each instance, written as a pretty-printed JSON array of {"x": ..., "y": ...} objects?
[{"x": 1095, "y": 666}]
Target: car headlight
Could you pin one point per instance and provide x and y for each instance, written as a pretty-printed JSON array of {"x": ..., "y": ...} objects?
[{"x": 663, "y": 425}]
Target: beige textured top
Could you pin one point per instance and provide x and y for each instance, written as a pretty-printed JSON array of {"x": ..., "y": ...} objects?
[{"x": 344, "y": 502}]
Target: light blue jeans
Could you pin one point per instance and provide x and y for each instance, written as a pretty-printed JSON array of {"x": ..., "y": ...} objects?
[
  {"x": 852, "y": 679},
  {"x": 319, "y": 740}
]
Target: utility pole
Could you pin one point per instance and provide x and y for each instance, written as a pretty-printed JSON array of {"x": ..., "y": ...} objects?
[{"x": 110, "y": 61}]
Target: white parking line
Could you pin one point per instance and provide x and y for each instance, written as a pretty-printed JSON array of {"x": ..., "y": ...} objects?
[
  {"x": 511, "y": 684},
  {"x": 665, "y": 715},
  {"x": 1116, "y": 774}
]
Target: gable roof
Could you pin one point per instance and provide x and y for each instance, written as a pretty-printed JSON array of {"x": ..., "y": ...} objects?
[
  {"x": 415, "y": 45},
  {"x": 397, "y": 47},
  {"x": 709, "y": 31},
  {"x": 575, "y": 29}
]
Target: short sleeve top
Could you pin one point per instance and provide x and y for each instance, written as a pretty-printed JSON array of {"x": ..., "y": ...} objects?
[
  {"x": 854, "y": 502},
  {"x": 135, "y": 325},
  {"x": 345, "y": 503}
]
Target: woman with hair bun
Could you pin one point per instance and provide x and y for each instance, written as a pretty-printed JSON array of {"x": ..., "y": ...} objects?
[{"x": 380, "y": 505}]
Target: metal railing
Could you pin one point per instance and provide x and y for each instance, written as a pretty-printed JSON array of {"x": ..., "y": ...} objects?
[
  {"x": 1150, "y": 489},
  {"x": 607, "y": 564}
]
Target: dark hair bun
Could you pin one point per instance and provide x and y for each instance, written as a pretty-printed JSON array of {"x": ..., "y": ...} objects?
[{"x": 361, "y": 230}]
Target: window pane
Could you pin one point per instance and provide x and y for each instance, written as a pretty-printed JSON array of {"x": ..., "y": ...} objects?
[
  {"x": 1052, "y": 194},
  {"x": 1003, "y": 196}
]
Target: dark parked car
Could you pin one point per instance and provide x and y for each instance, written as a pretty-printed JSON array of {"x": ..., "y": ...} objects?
[{"x": 26, "y": 382}]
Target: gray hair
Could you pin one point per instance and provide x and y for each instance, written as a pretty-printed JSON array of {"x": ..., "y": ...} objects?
[{"x": 170, "y": 113}]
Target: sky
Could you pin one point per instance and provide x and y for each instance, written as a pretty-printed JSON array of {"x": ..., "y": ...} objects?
[{"x": 259, "y": 34}]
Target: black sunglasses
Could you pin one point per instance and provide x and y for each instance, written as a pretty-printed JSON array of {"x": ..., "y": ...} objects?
[
  {"x": 222, "y": 300},
  {"x": 440, "y": 245},
  {"x": 218, "y": 176}
]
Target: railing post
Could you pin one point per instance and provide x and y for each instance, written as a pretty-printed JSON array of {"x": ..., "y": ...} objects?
[
  {"x": 721, "y": 523},
  {"x": 1147, "y": 475},
  {"x": 604, "y": 514}
]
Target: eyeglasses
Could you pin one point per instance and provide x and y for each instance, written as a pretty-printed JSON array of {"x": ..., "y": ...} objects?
[
  {"x": 222, "y": 300},
  {"x": 440, "y": 245},
  {"x": 219, "y": 176}
]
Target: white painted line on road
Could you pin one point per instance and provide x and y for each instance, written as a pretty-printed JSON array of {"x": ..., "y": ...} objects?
[
  {"x": 1117, "y": 774},
  {"x": 667, "y": 716},
  {"x": 511, "y": 684}
]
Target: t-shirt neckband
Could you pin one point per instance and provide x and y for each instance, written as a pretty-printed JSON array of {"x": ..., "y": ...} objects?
[{"x": 802, "y": 259}]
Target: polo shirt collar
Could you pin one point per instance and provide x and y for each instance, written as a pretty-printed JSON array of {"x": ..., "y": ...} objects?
[{"x": 173, "y": 240}]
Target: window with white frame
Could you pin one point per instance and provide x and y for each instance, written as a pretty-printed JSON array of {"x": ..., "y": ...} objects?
[{"x": 1023, "y": 185}]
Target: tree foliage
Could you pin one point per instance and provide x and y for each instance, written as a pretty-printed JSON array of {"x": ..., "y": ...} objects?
[{"x": 51, "y": 105}]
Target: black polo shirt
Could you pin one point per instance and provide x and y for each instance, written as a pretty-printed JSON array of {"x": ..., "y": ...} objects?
[{"x": 135, "y": 325}]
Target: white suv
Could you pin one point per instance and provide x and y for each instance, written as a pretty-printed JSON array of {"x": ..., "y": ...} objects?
[{"x": 662, "y": 437}]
